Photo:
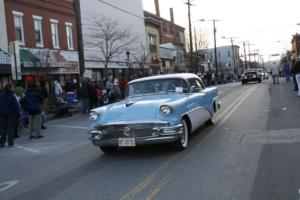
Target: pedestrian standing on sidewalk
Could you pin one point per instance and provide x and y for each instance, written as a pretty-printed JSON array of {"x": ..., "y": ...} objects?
[
  {"x": 57, "y": 89},
  {"x": 117, "y": 89},
  {"x": 9, "y": 112},
  {"x": 92, "y": 95},
  {"x": 286, "y": 68},
  {"x": 20, "y": 93},
  {"x": 294, "y": 75},
  {"x": 44, "y": 94},
  {"x": 297, "y": 73},
  {"x": 123, "y": 87},
  {"x": 33, "y": 104},
  {"x": 275, "y": 73},
  {"x": 84, "y": 98}
]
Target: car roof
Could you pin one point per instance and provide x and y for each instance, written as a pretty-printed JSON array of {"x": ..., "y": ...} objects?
[{"x": 166, "y": 76}]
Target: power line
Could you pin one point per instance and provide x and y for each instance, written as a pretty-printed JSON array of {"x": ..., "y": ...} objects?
[
  {"x": 120, "y": 9},
  {"x": 265, "y": 30}
]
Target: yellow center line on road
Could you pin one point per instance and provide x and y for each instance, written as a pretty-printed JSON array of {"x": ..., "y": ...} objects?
[
  {"x": 233, "y": 107},
  {"x": 148, "y": 180}
]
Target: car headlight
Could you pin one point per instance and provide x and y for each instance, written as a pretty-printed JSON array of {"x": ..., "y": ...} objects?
[
  {"x": 94, "y": 115},
  {"x": 165, "y": 109}
]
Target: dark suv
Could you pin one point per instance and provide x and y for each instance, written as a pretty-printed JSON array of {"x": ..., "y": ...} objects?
[{"x": 250, "y": 76}]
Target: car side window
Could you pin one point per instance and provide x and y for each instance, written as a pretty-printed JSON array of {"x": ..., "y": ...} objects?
[
  {"x": 185, "y": 86},
  {"x": 195, "y": 85}
]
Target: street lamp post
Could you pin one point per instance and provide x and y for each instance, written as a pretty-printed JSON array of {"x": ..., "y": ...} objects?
[
  {"x": 128, "y": 64},
  {"x": 215, "y": 43},
  {"x": 190, "y": 34},
  {"x": 215, "y": 48}
]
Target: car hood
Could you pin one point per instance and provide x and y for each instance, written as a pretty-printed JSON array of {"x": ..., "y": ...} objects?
[{"x": 136, "y": 108}]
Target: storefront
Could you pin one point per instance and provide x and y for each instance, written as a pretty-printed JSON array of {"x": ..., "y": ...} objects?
[
  {"x": 48, "y": 65},
  {"x": 5, "y": 69}
]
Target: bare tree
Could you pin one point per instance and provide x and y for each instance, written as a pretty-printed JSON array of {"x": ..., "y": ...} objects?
[
  {"x": 109, "y": 38},
  {"x": 143, "y": 57},
  {"x": 202, "y": 40}
]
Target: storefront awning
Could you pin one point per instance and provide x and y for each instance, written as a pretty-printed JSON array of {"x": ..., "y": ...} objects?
[
  {"x": 4, "y": 58},
  {"x": 28, "y": 59},
  {"x": 52, "y": 58},
  {"x": 4, "y": 63}
]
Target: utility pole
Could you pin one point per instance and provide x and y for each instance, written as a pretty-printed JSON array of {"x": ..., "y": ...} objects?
[
  {"x": 79, "y": 38},
  {"x": 215, "y": 48},
  {"x": 245, "y": 56},
  {"x": 196, "y": 48},
  {"x": 233, "y": 57},
  {"x": 249, "y": 54},
  {"x": 190, "y": 33}
]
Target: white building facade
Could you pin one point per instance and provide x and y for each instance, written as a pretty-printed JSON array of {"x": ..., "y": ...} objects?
[
  {"x": 228, "y": 59},
  {"x": 172, "y": 57},
  {"x": 129, "y": 17}
]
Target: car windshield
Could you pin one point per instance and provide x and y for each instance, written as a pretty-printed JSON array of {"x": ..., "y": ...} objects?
[{"x": 157, "y": 86}]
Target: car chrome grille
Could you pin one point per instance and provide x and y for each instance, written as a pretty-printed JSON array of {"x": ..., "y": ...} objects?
[{"x": 129, "y": 130}]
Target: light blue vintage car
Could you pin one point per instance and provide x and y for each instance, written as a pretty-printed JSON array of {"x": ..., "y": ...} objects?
[{"x": 158, "y": 109}]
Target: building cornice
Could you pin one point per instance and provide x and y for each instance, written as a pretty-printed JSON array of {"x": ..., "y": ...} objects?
[
  {"x": 55, "y": 6},
  {"x": 151, "y": 15}
]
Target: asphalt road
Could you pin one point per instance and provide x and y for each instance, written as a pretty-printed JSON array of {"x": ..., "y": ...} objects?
[{"x": 250, "y": 153}]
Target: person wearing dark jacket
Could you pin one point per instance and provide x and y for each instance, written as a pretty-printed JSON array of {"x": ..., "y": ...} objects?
[
  {"x": 83, "y": 93},
  {"x": 44, "y": 94},
  {"x": 296, "y": 71},
  {"x": 33, "y": 101},
  {"x": 9, "y": 112}
]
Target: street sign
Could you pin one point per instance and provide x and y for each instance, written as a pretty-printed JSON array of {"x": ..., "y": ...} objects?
[{"x": 14, "y": 51}]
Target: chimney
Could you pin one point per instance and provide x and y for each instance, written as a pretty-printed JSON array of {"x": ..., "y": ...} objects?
[
  {"x": 172, "y": 15},
  {"x": 157, "y": 8}
]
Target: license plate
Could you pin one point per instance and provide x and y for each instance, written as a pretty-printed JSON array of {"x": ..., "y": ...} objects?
[{"x": 126, "y": 142}]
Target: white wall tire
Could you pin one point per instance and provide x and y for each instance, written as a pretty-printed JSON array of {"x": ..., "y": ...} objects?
[
  {"x": 183, "y": 141},
  {"x": 212, "y": 119}
]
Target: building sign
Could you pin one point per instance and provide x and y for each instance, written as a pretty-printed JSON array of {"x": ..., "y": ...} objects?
[{"x": 14, "y": 52}]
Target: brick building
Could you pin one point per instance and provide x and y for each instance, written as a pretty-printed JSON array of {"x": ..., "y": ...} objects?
[
  {"x": 169, "y": 31},
  {"x": 47, "y": 35},
  {"x": 152, "y": 27},
  {"x": 171, "y": 41},
  {"x": 295, "y": 45}
]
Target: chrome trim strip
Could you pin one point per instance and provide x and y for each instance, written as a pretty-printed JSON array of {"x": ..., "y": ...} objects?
[
  {"x": 202, "y": 108},
  {"x": 160, "y": 138},
  {"x": 133, "y": 122}
]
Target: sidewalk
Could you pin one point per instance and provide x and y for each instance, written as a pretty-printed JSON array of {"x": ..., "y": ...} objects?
[
  {"x": 50, "y": 117},
  {"x": 284, "y": 106}
]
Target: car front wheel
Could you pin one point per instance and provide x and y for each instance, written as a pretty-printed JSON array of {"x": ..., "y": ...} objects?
[
  {"x": 212, "y": 119},
  {"x": 109, "y": 149},
  {"x": 182, "y": 143}
]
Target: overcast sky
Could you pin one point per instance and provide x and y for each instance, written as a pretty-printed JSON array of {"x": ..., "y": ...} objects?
[{"x": 268, "y": 24}]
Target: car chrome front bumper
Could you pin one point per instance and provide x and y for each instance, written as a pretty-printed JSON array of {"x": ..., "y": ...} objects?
[{"x": 160, "y": 135}]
